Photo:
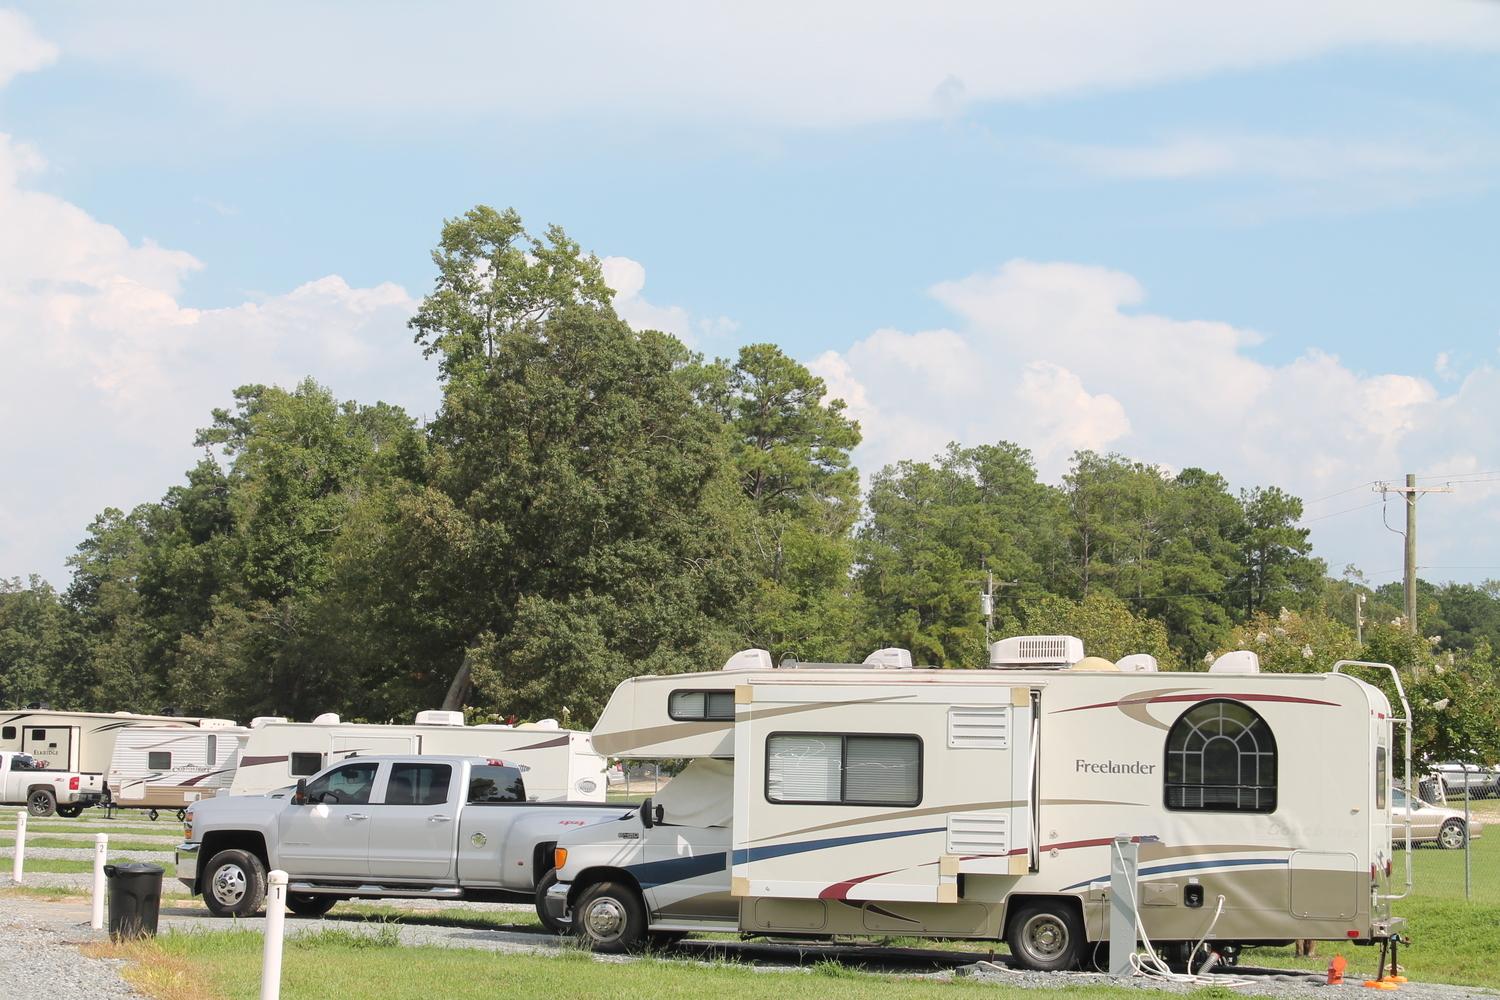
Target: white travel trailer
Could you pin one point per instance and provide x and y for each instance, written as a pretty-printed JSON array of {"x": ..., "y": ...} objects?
[
  {"x": 561, "y": 764},
  {"x": 80, "y": 741},
  {"x": 164, "y": 769},
  {"x": 878, "y": 799}
]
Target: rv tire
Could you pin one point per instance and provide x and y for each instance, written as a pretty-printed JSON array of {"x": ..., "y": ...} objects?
[
  {"x": 309, "y": 904},
  {"x": 1047, "y": 935},
  {"x": 1452, "y": 835},
  {"x": 610, "y": 917},
  {"x": 547, "y": 882},
  {"x": 40, "y": 802},
  {"x": 234, "y": 884},
  {"x": 70, "y": 812}
]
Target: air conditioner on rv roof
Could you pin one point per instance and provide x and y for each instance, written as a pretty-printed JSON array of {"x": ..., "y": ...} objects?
[
  {"x": 892, "y": 657},
  {"x": 1136, "y": 663},
  {"x": 327, "y": 719},
  {"x": 1036, "y": 652},
  {"x": 262, "y": 720},
  {"x": 1241, "y": 661},
  {"x": 437, "y": 717},
  {"x": 749, "y": 659}
]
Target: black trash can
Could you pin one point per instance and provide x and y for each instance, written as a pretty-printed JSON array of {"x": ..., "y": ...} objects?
[{"x": 134, "y": 899}]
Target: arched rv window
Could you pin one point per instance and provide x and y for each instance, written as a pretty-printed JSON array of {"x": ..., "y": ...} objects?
[{"x": 1221, "y": 757}]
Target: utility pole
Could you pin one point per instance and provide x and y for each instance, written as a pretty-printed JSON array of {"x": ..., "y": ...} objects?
[
  {"x": 1359, "y": 618},
  {"x": 1410, "y": 492}
]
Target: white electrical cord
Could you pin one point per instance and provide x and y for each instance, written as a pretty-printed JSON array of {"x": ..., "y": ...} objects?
[{"x": 1152, "y": 964}]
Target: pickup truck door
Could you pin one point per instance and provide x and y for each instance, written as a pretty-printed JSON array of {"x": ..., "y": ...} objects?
[
  {"x": 329, "y": 836},
  {"x": 413, "y": 828}
]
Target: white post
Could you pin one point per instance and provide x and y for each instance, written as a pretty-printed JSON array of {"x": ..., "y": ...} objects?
[
  {"x": 101, "y": 851},
  {"x": 270, "y": 965},
  {"x": 19, "y": 866}
]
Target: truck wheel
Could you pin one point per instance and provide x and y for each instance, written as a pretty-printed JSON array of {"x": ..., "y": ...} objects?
[
  {"x": 610, "y": 917},
  {"x": 234, "y": 884},
  {"x": 309, "y": 904},
  {"x": 41, "y": 802},
  {"x": 547, "y": 882},
  {"x": 70, "y": 812},
  {"x": 1047, "y": 936},
  {"x": 1451, "y": 837}
]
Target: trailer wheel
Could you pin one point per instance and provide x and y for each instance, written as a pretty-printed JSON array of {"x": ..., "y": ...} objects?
[
  {"x": 70, "y": 812},
  {"x": 1047, "y": 936},
  {"x": 547, "y": 882},
  {"x": 234, "y": 884},
  {"x": 309, "y": 904},
  {"x": 610, "y": 917},
  {"x": 41, "y": 802},
  {"x": 1453, "y": 835}
]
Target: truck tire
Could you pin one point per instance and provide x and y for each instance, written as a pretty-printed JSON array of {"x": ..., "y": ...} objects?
[
  {"x": 70, "y": 812},
  {"x": 610, "y": 917},
  {"x": 547, "y": 882},
  {"x": 309, "y": 904},
  {"x": 41, "y": 803},
  {"x": 234, "y": 884},
  {"x": 1047, "y": 935}
]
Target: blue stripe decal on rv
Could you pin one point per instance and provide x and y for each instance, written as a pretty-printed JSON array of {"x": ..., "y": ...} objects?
[
  {"x": 655, "y": 873},
  {"x": 803, "y": 846},
  {"x": 1185, "y": 866}
]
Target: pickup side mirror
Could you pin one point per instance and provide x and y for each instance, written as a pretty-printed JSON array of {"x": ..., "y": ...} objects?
[
  {"x": 658, "y": 814},
  {"x": 299, "y": 797},
  {"x": 648, "y": 814}
]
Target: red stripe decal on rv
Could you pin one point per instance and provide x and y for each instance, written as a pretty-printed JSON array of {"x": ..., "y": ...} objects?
[
  {"x": 840, "y": 890},
  {"x": 1197, "y": 697},
  {"x": 252, "y": 761}
]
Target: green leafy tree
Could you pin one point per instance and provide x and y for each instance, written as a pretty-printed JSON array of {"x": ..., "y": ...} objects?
[
  {"x": 38, "y": 645},
  {"x": 1106, "y": 624}
]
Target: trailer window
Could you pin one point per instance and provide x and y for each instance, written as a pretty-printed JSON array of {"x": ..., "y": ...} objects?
[
  {"x": 159, "y": 760},
  {"x": 833, "y": 769},
  {"x": 495, "y": 783},
  {"x": 1221, "y": 757},
  {"x": 8, "y": 733},
  {"x": 685, "y": 706},
  {"x": 1380, "y": 777},
  {"x": 418, "y": 784},
  {"x": 304, "y": 764},
  {"x": 211, "y": 750}
]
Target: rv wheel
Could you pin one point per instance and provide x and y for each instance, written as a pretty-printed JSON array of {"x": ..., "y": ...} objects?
[
  {"x": 70, "y": 812},
  {"x": 547, "y": 882},
  {"x": 234, "y": 884},
  {"x": 610, "y": 917},
  {"x": 1451, "y": 836},
  {"x": 1047, "y": 936},
  {"x": 41, "y": 802}
]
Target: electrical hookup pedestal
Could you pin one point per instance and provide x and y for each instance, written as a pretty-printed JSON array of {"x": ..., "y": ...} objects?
[{"x": 1123, "y": 861}]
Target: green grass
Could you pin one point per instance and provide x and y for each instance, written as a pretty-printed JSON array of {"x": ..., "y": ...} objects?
[
  {"x": 335, "y": 964},
  {"x": 1439, "y": 874},
  {"x": 68, "y": 866},
  {"x": 88, "y": 845}
]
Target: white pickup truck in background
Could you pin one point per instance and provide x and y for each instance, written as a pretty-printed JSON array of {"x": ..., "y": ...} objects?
[
  {"x": 24, "y": 780},
  {"x": 429, "y": 827}
]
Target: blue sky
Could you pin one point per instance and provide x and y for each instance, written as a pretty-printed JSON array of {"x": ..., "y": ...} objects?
[{"x": 1260, "y": 241}]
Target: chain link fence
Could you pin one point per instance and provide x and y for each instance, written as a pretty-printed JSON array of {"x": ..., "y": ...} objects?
[{"x": 1455, "y": 833}]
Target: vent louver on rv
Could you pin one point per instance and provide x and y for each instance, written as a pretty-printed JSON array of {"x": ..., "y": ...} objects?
[
  {"x": 979, "y": 727},
  {"x": 1036, "y": 652},
  {"x": 978, "y": 833}
]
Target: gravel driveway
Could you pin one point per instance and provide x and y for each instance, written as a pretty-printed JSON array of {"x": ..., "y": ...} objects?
[{"x": 41, "y": 962}]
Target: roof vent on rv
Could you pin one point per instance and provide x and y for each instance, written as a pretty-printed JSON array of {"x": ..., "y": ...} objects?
[
  {"x": 1136, "y": 663},
  {"x": 327, "y": 719},
  {"x": 750, "y": 659},
  {"x": 265, "y": 720},
  {"x": 889, "y": 658},
  {"x": 1241, "y": 661},
  {"x": 436, "y": 717},
  {"x": 1038, "y": 652}
]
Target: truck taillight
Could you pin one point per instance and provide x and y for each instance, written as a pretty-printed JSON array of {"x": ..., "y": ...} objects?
[
  {"x": 559, "y": 857},
  {"x": 73, "y": 783}
]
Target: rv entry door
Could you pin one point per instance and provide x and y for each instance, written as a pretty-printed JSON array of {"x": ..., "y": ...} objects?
[{"x": 52, "y": 745}]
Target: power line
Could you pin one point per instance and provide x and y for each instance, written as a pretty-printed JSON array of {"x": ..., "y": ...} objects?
[
  {"x": 1368, "y": 482},
  {"x": 1348, "y": 510},
  {"x": 1461, "y": 475}
]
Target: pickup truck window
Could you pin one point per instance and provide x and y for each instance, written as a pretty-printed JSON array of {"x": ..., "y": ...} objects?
[
  {"x": 491, "y": 783},
  {"x": 21, "y": 762},
  {"x": 344, "y": 786},
  {"x": 418, "y": 784}
]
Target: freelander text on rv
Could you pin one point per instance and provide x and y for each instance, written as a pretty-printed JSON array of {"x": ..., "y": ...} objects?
[
  {"x": 878, "y": 799},
  {"x": 161, "y": 769},
  {"x": 561, "y": 764},
  {"x": 80, "y": 741}
]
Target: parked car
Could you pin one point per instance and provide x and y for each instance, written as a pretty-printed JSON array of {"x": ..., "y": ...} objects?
[
  {"x": 1432, "y": 824},
  {"x": 372, "y": 827},
  {"x": 1456, "y": 777},
  {"x": 24, "y": 780}
]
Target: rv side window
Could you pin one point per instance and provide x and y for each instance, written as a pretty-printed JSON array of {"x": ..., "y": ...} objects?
[
  {"x": 827, "y": 769},
  {"x": 304, "y": 764},
  {"x": 418, "y": 784},
  {"x": 159, "y": 760},
  {"x": 1221, "y": 757},
  {"x": 39, "y": 734},
  {"x": 211, "y": 750},
  {"x": 8, "y": 733},
  {"x": 1380, "y": 777},
  {"x": 686, "y": 706},
  {"x": 495, "y": 783}
]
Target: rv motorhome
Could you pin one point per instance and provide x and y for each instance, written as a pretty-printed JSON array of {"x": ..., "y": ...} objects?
[
  {"x": 162, "y": 769},
  {"x": 562, "y": 763},
  {"x": 80, "y": 741},
  {"x": 877, "y": 799}
]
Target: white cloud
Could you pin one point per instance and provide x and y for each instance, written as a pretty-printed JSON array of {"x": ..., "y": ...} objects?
[
  {"x": 627, "y": 277},
  {"x": 1060, "y": 357},
  {"x": 22, "y": 50},
  {"x": 1284, "y": 157},
  {"x": 777, "y": 62}
]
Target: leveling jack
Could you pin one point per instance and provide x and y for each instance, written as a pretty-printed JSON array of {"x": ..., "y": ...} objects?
[{"x": 1393, "y": 979}]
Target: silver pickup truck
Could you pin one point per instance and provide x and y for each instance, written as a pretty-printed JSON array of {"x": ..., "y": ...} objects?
[{"x": 381, "y": 826}]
